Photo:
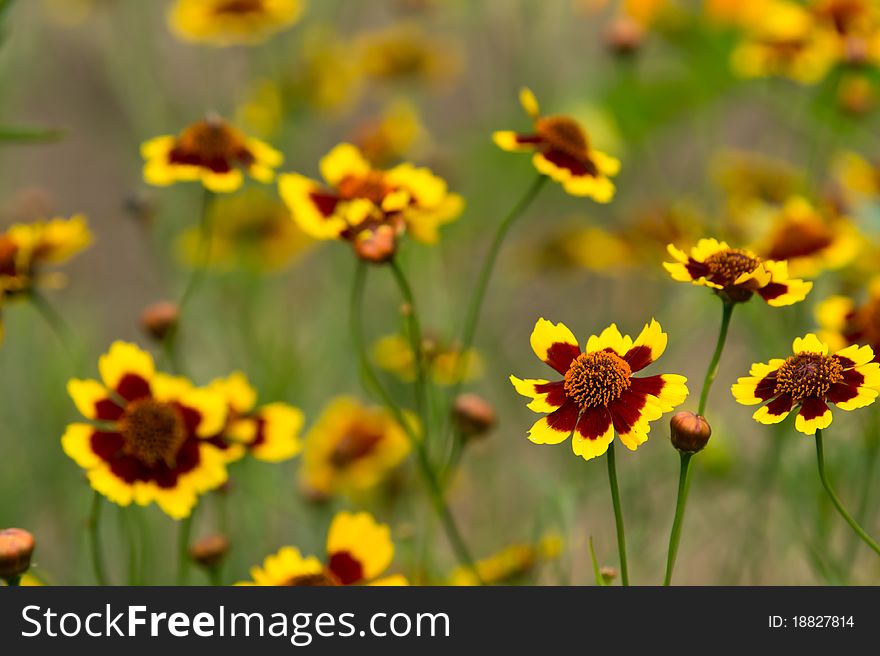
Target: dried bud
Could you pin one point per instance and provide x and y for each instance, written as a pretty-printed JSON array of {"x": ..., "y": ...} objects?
[
  {"x": 608, "y": 574},
  {"x": 473, "y": 415},
  {"x": 16, "y": 548},
  {"x": 689, "y": 432},
  {"x": 856, "y": 95},
  {"x": 376, "y": 245},
  {"x": 210, "y": 550},
  {"x": 624, "y": 36},
  {"x": 856, "y": 51},
  {"x": 159, "y": 319}
]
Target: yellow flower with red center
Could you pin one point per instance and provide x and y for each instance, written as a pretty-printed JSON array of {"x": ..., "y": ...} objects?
[
  {"x": 359, "y": 202},
  {"x": 359, "y": 551},
  {"x": 26, "y": 248},
  {"x": 562, "y": 151},
  {"x": 351, "y": 448},
  {"x": 736, "y": 274},
  {"x": 268, "y": 432},
  {"x": 251, "y": 230},
  {"x": 148, "y": 440},
  {"x": 843, "y": 321},
  {"x": 810, "y": 240},
  {"x": 784, "y": 39},
  {"x": 212, "y": 152},
  {"x": 442, "y": 361},
  {"x": 232, "y": 22},
  {"x": 511, "y": 564},
  {"x": 808, "y": 381},
  {"x": 598, "y": 394},
  {"x": 856, "y": 24}
]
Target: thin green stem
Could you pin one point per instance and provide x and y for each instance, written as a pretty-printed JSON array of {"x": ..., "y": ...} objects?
[
  {"x": 414, "y": 333},
  {"x": 54, "y": 320},
  {"x": 684, "y": 484},
  {"x": 95, "y": 539},
  {"x": 372, "y": 382},
  {"x": 13, "y": 581},
  {"x": 597, "y": 574},
  {"x": 183, "y": 538},
  {"x": 820, "y": 457},
  {"x": 215, "y": 576},
  {"x": 712, "y": 371},
  {"x": 618, "y": 515}
]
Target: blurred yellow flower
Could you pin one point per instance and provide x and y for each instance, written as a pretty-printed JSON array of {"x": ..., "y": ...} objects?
[
  {"x": 598, "y": 395},
  {"x": 808, "y": 381},
  {"x": 328, "y": 77},
  {"x": 511, "y": 564},
  {"x": 359, "y": 551},
  {"x": 390, "y": 136},
  {"x": 148, "y": 442},
  {"x": 405, "y": 51},
  {"x": 232, "y": 22},
  {"x": 251, "y": 229},
  {"x": 263, "y": 110},
  {"x": 351, "y": 448},
  {"x": 209, "y": 151},
  {"x": 393, "y": 353},
  {"x": 785, "y": 40},
  {"x": 752, "y": 179},
  {"x": 360, "y": 202},
  {"x": 269, "y": 432},
  {"x": 736, "y": 274},
  {"x": 843, "y": 321},
  {"x": 856, "y": 175},
  {"x": 562, "y": 152}
]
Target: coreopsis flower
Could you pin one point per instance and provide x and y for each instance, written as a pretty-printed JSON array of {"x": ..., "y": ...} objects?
[
  {"x": 262, "y": 110},
  {"x": 210, "y": 151},
  {"x": 752, "y": 180},
  {"x": 267, "y": 432},
  {"x": 562, "y": 151},
  {"x": 856, "y": 24},
  {"x": 857, "y": 176},
  {"x": 148, "y": 440},
  {"x": 232, "y": 22},
  {"x": 442, "y": 361},
  {"x": 510, "y": 565},
  {"x": 598, "y": 395},
  {"x": 809, "y": 239},
  {"x": 328, "y": 78},
  {"x": 785, "y": 40},
  {"x": 251, "y": 230},
  {"x": 367, "y": 206},
  {"x": 359, "y": 551},
  {"x": 351, "y": 448},
  {"x": 406, "y": 52},
  {"x": 736, "y": 274},
  {"x": 808, "y": 381},
  {"x": 843, "y": 321},
  {"x": 26, "y": 249},
  {"x": 389, "y": 136}
]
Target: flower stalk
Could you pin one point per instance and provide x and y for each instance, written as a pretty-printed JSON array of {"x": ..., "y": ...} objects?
[
  {"x": 618, "y": 515},
  {"x": 94, "y": 524}
]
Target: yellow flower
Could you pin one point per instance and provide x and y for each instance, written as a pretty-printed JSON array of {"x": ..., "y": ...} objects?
[
  {"x": 263, "y": 109},
  {"x": 252, "y": 229},
  {"x": 856, "y": 26},
  {"x": 598, "y": 394},
  {"x": 808, "y": 381},
  {"x": 209, "y": 151},
  {"x": 753, "y": 180},
  {"x": 808, "y": 239},
  {"x": 562, "y": 152},
  {"x": 27, "y": 248},
  {"x": 843, "y": 322},
  {"x": 736, "y": 274},
  {"x": 858, "y": 176},
  {"x": 327, "y": 77},
  {"x": 785, "y": 40},
  {"x": 393, "y": 353},
  {"x": 405, "y": 51},
  {"x": 359, "y": 551},
  {"x": 148, "y": 442},
  {"x": 359, "y": 201},
  {"x": 269, "y": 432},
  {"x": 351, "y": 448},
  {"x": 232, "y": 22},
  {"x": 734, "y": 12},
  {"x": 509, "y": 565},
  {"x": 390, "y": 136}
]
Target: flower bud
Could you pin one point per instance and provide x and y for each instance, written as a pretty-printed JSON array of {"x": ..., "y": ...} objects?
[
  {"x": 210, "y": 550},
  {"x": 689, "y": 432},
  {"x": 624, "y": 36},
  {"x": 473, "y": 415},
  {"x": 608, "y": 574},
  {"x": 376, "y": 245},
  {"x": 159, "y": 319},
  {"x": 16, "y": 548}
]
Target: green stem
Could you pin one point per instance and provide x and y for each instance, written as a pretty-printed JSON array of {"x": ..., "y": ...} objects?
[
  {"x": 597, "y": 574},
  {"x": 820, "y": 457},
  {"x": 684, "y": 484},
  {"x": 214, "y": 576},
  {"x": 371, "y": 381},
  {"x": 712, "y": 371},
  {"x": 13, "y": 581},
  {"x": 618, "y": 515},
  {"x": 95, "y": 539},
  {"x": 414, "y": 332},
  {"x": 183, "y": 549},
  {"x": 476, "y": 302},
  {"x": 54, "y": 320}
]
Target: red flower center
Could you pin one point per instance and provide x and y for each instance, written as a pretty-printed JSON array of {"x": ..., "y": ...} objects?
[
  {"x": 357, "y": 443},
  {"x": 371, "y": 186},
  {"x": 565, "y": 134},
  {"x": 596, "y": 379},
  {"x": 238, "y": 7},
  {"x": 153, "y": 431},
  {"x": 799, "y": 240},
  {"x": 318, "y": 579},
  {"x": 808, "y": 374},
  {"x": 212, "y": 144}
]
